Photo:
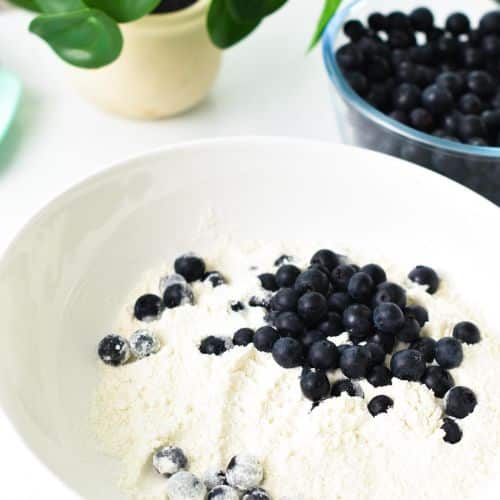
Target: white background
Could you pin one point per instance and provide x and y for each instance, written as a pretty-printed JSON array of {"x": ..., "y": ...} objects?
[{"x": 267, "y": 86}]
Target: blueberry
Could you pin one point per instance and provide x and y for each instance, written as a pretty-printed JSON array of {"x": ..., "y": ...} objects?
[
  {"x": 434, "y": 34},
  {"x": 422, "y": 54},
  {"x": 288, "y": 352},
  {"x": 215, "y": 345},
  {"x": 339, "y": 301},
  {"x": 408, "y": 364},
  {"x": 377, "y": 21},
  {"x": 417, "y": 312},
  {"x": 386, "y": 340},
  {"x": 406, "y": 97},
  {"x": 379, "y": 376},
  {"x": 289, "y": 324},
  {"x": 401, "y": 39},
  {"x": 491, "y": 119},
  {"x": 190, "y": 266},
  {"x": 460, "y": 402},
  {"x": 358, "y": 320},
  {"x": 451, "y": 81},
  {"x": 323, "y": 355},
  {"x": 355, "y": 362},
  {"x": 491, "y": 45},
  {"x": 379, "y": 97},
  {"x": 256, "y": 494},
  {"x": 358, "y": 82},
  {"x": 470, "y": 104},
  {"x": 332, "y": 326},
  {"x": 473, "y": 58},
  {"x": 344, "y": 385},
  {"x": 458, "y": 24},
  {"x": 286, "y": 275},
  {"x": 467, "y": 332},
  {"x": 437, "y": 99},
  {"x": 312, "y": 336},
  {"x": 452, "y": 432},
  {"x": 410, "y": 330},
  {"x": 448, "y": 47},
  {"x": 264, "y": 338},
  {"x": 388, "y": 317},
  {"x": 282, "y": 259},
  {"x": 214, "y": 477},
  {"x": 471, "y": 126},
  {"x": 424, "y": 275},
  {"x": 244, "y": 472},
  {"x": 399, "y": 21},
  {"x": 177, "y": 295},
  {"x": 223, "y": 492},
  {"x": 422, "y": 19},
  {"x": 390, "y": 292},
  {"x": 312, "y": 280},
  {"x": 236, "y": 306},
  {"x": 380, "y": 404},
  {"x": 481, "y": 83},
  {"x": 400, "y": 116},
  {"x": 168, "y": 460},
  {"x": 171, "y": 279},
  {"x": 243, "y": 336},
  {"x": 114, "y": 350},
  {"x": 325, "y": 258},
  {"x": 143, "y": 343},
  {"x": 477, "y": 141},
  {"x": 490, "y": 22},
  {"x": 285, "y": 300},
  {"x": 259, "y": 302},
  {"x": 354, "y": 30},
  {"x": 340, "y": 276},
  {"x": 268, "y": 282},
  {"x": 438, "y": 380},
  {"x": 312, "y": 307},
  {"x": 183, "y": 485},
  {"x": 426, "y": 346},
  {"x": 376, "y": 273},
  {"x": 421, "y": 119},
  {"x": 148, "y": 307},
  {"x": 349, "y": 57},
  {"x": 398, "y": 56},
  {"x": 215, "y": 278},
  {"x": 360, "y": 287},
  {"x": 315, "y": 386},
  {"x": 377, "y": 353},
  {"x": 449, "y": 353}
]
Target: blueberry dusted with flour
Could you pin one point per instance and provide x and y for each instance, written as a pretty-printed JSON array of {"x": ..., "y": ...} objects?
[
  {"x": 312, "y": 280},
  {"x": 244, "y": 472},
  {"x": 323, "y": 355},
  {"x": 114, "y": 350},
  {"x": 449, "y": 352},
  {"x": 358, "y": 320},
  {"x": 438, "y": 380},
  {"x": 148, "y": 307},
  {"x": 268, "y": 282},
  {"x": 190, "y": 266},
  {"x": 214, "y": 477},
  {"x": 215, "y": 345},
  {"x": 143, "y": 343},
  {"x": 257, "y": 494},
  {"x": 243, "y": 337},
  {"x": 185, "y": 486},
  {"x": 312, "y": 307},
  {"x": 286, "y": 275},
  {"x": 236, "y": 306},
  {"x": 408, "y": 364},
  {"x": 388, "y": 317},
  {"x": 315, "y": 386},
  {"x": 288, "y": 352},
  {"x": 460, "y": 402},
  {"x": 452, "y": 431},
  {"x": 171, "y": 279},
  {"x": 355, "y": 362},
  {"x": 380, "y": 404},
  {"x": 426, "y": 276},
  {"x": 262, "y": 301},
  {"x": 264, "y": 338},
  {"x": 177, "y": 295},
  {"x": 215, "y": 278},
  {"x": 344, "y": 386},
  {"x": 379, "y": 376},
  {"x": 283, "y": 259},
  {"x": 325, "y": 258},
  {"x": 169, "y": 460},
  {"x": 467, "y": 332},
  {"x": 223, "y": 492}
]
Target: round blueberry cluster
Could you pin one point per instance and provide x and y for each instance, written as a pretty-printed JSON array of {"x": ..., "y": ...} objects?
[
  {"x": 439, "y": 80},
  {"x": 309, "y": 306},
  {"x": 241, "y": 478}
]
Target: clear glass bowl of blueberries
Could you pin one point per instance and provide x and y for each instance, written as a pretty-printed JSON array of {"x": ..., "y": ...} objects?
[{"x": 421, "y": 84}]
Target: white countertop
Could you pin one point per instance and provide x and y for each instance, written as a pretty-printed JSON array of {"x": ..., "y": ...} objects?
[{"x": 267, "y": 86}]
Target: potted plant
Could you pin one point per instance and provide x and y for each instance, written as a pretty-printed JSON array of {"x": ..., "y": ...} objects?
[{"x": 148, "y": 58}]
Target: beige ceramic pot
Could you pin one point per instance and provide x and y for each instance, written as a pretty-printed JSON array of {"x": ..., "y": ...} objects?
[{"x": 168, "y": 65}]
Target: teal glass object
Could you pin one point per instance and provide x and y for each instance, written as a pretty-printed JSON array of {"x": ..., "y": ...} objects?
[{"x": 10, "y": 93}]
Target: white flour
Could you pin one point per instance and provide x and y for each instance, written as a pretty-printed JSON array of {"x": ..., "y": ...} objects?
[{"x": 214, "y": 407}]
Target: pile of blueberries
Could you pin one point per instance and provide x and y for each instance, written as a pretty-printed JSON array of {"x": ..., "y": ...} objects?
[
  {"x": 240, "y": 480},
  {"x": 448, "y": 85},
  {"x": 308, "y": 306}
]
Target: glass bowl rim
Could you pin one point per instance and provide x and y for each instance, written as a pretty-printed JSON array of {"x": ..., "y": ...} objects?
[{"x": 333, "y": 29}]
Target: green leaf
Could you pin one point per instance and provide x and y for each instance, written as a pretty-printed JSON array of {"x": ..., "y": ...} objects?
[
  {"x": 252, "y": 10},
  {"x": 224, "y": 30},
  {"x": 26, "y": 4},
  {"x": 86, "y": 38},
  {"x": 56, "y": 6},
  {"x": 329, "y": 10},
  {"x": 124, "y": 11}
]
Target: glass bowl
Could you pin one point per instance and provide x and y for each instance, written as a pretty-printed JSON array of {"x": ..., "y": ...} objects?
[{"x": 361, "y": 124}]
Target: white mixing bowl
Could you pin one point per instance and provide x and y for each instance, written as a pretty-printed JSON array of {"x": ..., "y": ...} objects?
[{"x": 65, "y": 276}]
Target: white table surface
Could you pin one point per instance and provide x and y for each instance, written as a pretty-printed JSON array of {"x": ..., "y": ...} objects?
[{"x": 267, "y": 86}]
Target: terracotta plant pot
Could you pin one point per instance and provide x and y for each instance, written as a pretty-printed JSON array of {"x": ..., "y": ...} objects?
[{"x": 168, "y": 65}]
